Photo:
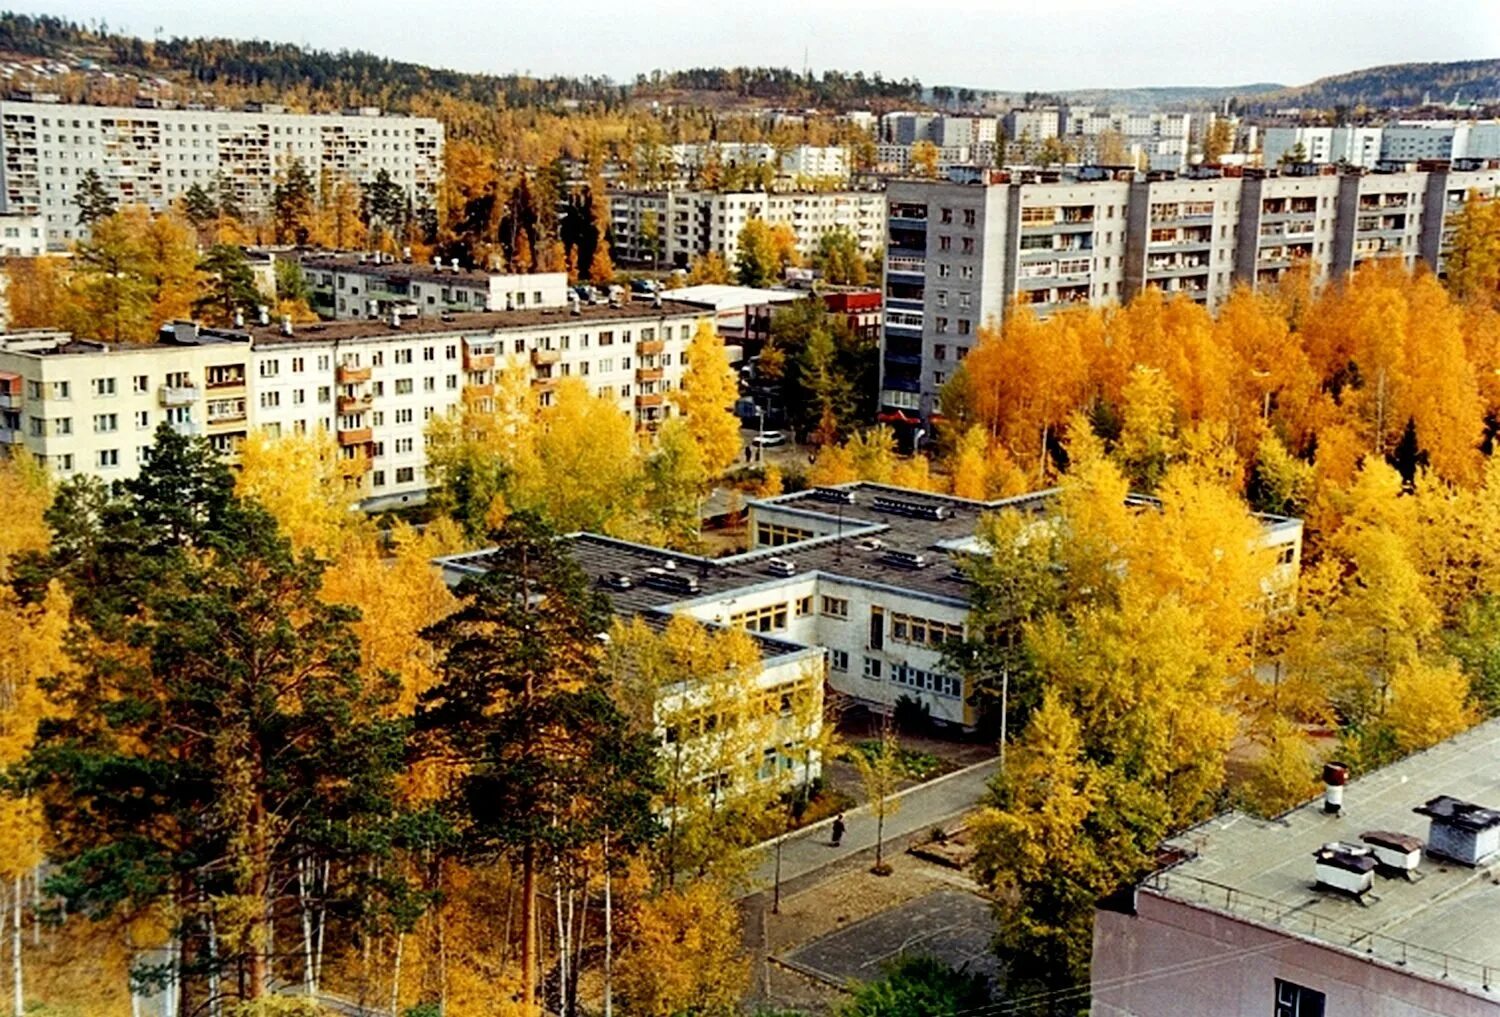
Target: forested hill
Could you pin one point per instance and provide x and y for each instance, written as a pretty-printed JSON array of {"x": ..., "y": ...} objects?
[{"x": 1398, "y": 85}]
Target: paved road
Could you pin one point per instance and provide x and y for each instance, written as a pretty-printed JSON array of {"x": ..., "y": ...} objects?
[{"x": 922, "y": 807}]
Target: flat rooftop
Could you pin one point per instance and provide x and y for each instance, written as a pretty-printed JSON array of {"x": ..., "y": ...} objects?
[
  {"x": 401, "y": 270},
  {"x": 472, "y": 322},
  {"x": 1441, "y": 926}
]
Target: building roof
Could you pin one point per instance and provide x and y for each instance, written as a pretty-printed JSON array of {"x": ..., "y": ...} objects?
[
  {"x": 1439, "y": 926},
  {"x": 724, "y": 297},
  {"x": 403, "y": 271}
]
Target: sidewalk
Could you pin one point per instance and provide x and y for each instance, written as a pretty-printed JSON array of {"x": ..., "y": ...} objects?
[{"x": 922, "y": 807}]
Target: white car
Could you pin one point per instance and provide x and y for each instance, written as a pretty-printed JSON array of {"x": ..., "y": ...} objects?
[{"x": 769, "y": 439}]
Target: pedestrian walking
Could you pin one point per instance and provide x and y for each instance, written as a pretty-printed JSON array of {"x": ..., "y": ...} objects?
[{"x": 838, "y": 829}]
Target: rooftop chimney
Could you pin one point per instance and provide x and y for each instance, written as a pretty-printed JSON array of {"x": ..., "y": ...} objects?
[
  {"x": 395, "y": 318},
  {"x": 286, "y": 324},
  {"x": 1461, "y": 831},
  {"x": 656, "y": 298},
  {"x": 574, "y": 304},
  {"x": 454, "y": 262},
  {"x": 262, "y": 315},
  {"x": 406, "y": 254},
  {"x": 1335, "y": 776}
]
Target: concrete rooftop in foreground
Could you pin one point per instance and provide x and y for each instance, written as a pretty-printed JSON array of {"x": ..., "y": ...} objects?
[{"x": 1446, "y": 925}]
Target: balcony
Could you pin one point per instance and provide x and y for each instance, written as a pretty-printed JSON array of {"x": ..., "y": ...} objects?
[
  {"x": 354, "y": 403},
  {"x": 177, "y": 395},
  {"x": 907, "y": 266},
  {"x": 544, "y": 384},
  {"x": 480, "y": 391},
  {"x": 355, "y": 436},
  {"x": 650, "y": 346},
  {"x": 188, "y": 428},
  {"x": 350, "y": 375},
  {"x": 646, "y": 399},
  {"x": 545, "y": 356},
  {"x": 478, "y": 361},
  {"x": 11, "y": 400},
  {"x": 649, "y": 374},
  {"x": 232, "y": 381}
]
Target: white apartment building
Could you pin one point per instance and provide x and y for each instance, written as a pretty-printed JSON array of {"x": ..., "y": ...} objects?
[
  {"x": 150, "y": 156},
  {"x": 699, "y": 222},
  {"x": 1157, "y": 141},
  {"x": 959, "y": 251},
  {"x": 373, "y": 285},
  {"x": 1403, "y": 141},
  {"x": 1033, "y": 124},
  {"x": 86, "y": 407},
  {"x": 22, "y": 235},
  {"x": 812, "y": 161},
  {"x": 1357, "y": 146}
]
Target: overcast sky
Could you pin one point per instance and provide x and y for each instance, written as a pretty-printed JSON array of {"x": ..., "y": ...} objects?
[{"x": 1010, "y": 44}]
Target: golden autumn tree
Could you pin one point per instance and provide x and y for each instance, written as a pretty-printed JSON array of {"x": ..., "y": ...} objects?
[
  {"x": 36, "y": 292},
  {"x": 684, "y": 954},
  {"x": 304, "y": 482},
  {"x": 1473, "y": 261},
  {"x": 707, "y": 396}
]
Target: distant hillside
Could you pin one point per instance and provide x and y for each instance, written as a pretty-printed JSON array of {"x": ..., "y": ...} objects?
[{"x": 1397, "y": 85}]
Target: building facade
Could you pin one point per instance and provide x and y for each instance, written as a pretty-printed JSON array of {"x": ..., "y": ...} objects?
[
  {"x": 349, "y": 286},
  {"x": 89, "y": 408},
  {"x": 1324, "y": 910},
  {"x": 150, "y": 156},
  {"x": 960, "y": 252}
]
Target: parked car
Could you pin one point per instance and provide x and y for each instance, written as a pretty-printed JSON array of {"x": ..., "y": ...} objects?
[
  {"x": 769, "y": 439},
  {"x": 644, "y": 286}
]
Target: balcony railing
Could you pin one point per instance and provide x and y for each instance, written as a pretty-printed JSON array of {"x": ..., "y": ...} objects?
[
  {"x": 355, "y": 436},
  {"x": 354, "y": 403},
  {"x": 911, "y": 266},
  {"x": 177, "y": 395},
  {"x": 649, "y": 399},
  {"x": 540, "y": 356},
  {"x": 11, "y": 400},
  {"x": 348, "y": 374},
  {"x": 650, "y": 346},
  {"x": 649, "y": 374},
  {"x": 478, "y": 361}
]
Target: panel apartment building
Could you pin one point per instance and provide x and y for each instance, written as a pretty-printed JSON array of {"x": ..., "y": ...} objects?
[
  {"x": 864, "y": 573},
  {"x": 959, "y": 252},
  {"x": 150, "y": 156},
  {"x": 1382, "y": 906},
  {"x": 92, "y": 408},
  {"x": 696, "y": 223},
  {"x": 374, "y": 285}
]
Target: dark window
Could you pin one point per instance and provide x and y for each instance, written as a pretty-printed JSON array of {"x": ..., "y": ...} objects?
[
  {"x": 1293, "y": 1000},
  {"x": 877, "y": 628}
]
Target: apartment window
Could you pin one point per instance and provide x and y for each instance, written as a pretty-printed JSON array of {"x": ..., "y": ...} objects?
[
  {"x": 377, "y": 418},
  {"x": 771, "y": 618},
  {"x": 62, "y": 425},
  {"x": 61, "y": 390},
  {"x": 108, "y": 458},
  {"x": 403, "y": 445},
  {"x": 104, "y": 386},
  {"x": 297, "y": 365},
  {"x": 452, "y": 381},
  {"x": 968, "y": 245},
  {"x": 299, "y": 396},
  {"x": 268, "y": 400},
  {"x": 450, "y": 352},
  {"x": 142, "y": 419},
  {"x": 940, "y": 352},
  {"x": 405, "y": 474},
  {"x": 106, "y": 423},
  {"x": 270, "y": 368},
  {"x": 877, "y": 628},
  {"x": 970, "y": 217},
  {"x": 324, "y": 360},
  {"x": 872, "y": 667},
  {"x": 429, "y": 352},
  {"x": 835, "y": 607},
  {"x": 804, "y": 606},
  {"x": 403, "y": 416},
  {"x": 947, "y": 215},
  {"x": 378, "y": 478},
  {"x": 964, "y": 326},
  {"x": 942, "y": 324},
  {"x": 927, "y": 681},
  {"x": 906, "y": 628},
  {"x": 325, "y": 393},
  {"x": 403, "y": 356},
  {"x": 429, "y": 384},
  {"x": 838, "y": 660},
  {"x": 1293, "y": 1000},
  {"x": 966, "y": 271},
  {"x": 945, "y": 243},
  {"x": 403, "y": 386}
]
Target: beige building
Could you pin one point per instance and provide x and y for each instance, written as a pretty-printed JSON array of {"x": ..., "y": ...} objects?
[
  {"x": 151, "y": 155},
  {"x": 85, "y": 407},
  {"x": 374, "y": 285}
]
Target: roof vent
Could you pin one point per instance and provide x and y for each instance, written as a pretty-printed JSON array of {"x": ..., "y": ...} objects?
[
  {"x": 911, "y": 509},
  {"x": 1461, "y": 831},
  {"x": 454, "y": 263},
  {"x": 617, "y": 581},
  {"x": 262, "y": 315},
  {"x": 905, "y": 559},
  {"x": 286, "y": 324},
  {"x": 656, "y": 298},
  {"x": 575, "y": 305},
  {"x": 1399, "y": 854},
  {"x": 870, "y": 544},
  {"x": 1347, "y": 868},
  {"x": 1335, "y": 776},
  {"x": 834, "y": 495},
  {"x": 239, "y": 317},
  {"x": 395, "y": 317},
  {"x": 671, "y": 581},
  {"x": 781, "y": 567}
]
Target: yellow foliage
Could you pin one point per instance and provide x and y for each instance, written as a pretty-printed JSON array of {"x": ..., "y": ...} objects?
[
  {"x": 707, "y": 396},
  {"x": 683, "y": 955},
  {"x": 1428, "y": 704},
  {"x": 304, "y": 482}
]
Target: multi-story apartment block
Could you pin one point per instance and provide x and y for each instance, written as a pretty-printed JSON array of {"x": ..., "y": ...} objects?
[
  {"x": 960, "y": 251},
  {"x": 812, "y": 161},
  {"x": 150, "y": 156},
  {"x": 1156, "y": 141},
  {"x": 1033, "y": 125},
  {"x": 638, "y": 226},
  {"x": 1375, "y": 901},
  {"x": 373, "y": 285},
  {"x": 1403, "y": 141},
  {"x": 87, "y": 407},
  {"x": 22, "y": 235},
  {"x": 1357, "y": 146},
  {"x": 699, "y": 222},
  {"x": 943, "y": 130},
  {"x": 863, "y": 573}
]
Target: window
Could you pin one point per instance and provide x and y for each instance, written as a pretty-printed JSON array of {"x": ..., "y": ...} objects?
[
  {"x": 270, "y": 368},
  {"x": 106, "y": 423},
  {"x": 940, "y": 352},
  {"x": 945, "y": 243},
  {"x": 835, "y": 607},
  {"x": 429, "y": 352},
  {"x": 774, "y": 534},
  {"x": 429, "y": 384},
  {"x": 104, "y": 386},
  {"x": 927, "y": 681},
  {"x": 269, "y": 400},
  {"x": 947, "y": 215},
  {"x": 906, "y": 628},
  {"x": 378, "y": 478},
  {"x": 108, "y": 457},
  {"x": 403, "y": 385},
  {"x": 877, "y": 628},
  {"x": 771, "y": 618},
  {"x": 804, "y": 606},
  {"x": 325, "y": 393},
  {"x": 872, "y": 667},
  {"x": 838, "y": 660},
  {"x": 142, "y": 419},
  {"x": 1293, "y": 1000},
  {"x": 403, "y": 445},
  {"x": 403, "y": 356},
  {"x": 297, "y": 365},
  {"x": 969, "y": 217},
  {"x": 965, "y": 326},
  {"x": 403, "y": 416},
  {"x": 405, "y": 474}
]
